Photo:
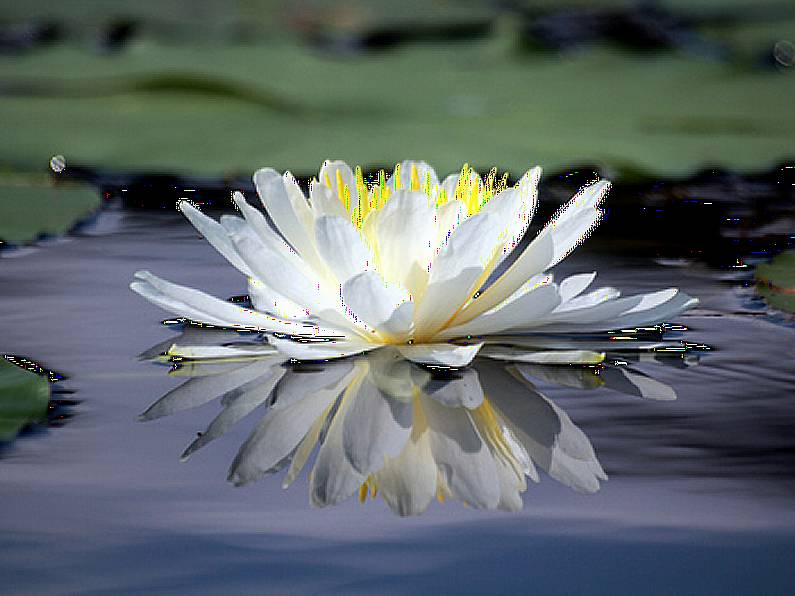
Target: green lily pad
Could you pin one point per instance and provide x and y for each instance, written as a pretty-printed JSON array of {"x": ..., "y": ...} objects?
[
  {"x": 776, "y": 281},
  {"x": 216, "y": 109},
  {"x": 32, "y": 205},
  {"x": 23, "y": 399}
]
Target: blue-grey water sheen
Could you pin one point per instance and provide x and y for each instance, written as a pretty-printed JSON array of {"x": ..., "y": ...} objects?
[{"x": 699, "y": 500}]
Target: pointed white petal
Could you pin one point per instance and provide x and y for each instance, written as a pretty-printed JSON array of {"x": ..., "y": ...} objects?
[
  {"x": 516, "y": 207},
  {"x": 406, "y": 215},
  {"x": 202, "y": 307},
  {"x": 266, "y": 299},
  {"x": 328, "y": 175},
  {"x": 574, "y": 285},
  {"x": 534, "y": 260},
  {"x": 530, "y": 308},
  {"x": 383, "y": 307},
  {"x": 288, "y": 208},
  {"x": 320, "y": 350},
  {"x": 256, "y": 227},
  {"x": 215, "y": 234},
  {"x": 324, "y": 202},
  {"x": 332, "y": 173},
  {"x": 274, "y": 269},
  {"x": 549, "y": 357},
  {"x": 598, "y": 296},
  {"x": 456, "y": 271},
  {"x": 577, "y": 219},
  {"x": 205, "y": 352},
  {"x": 448, "y": 218},
  {"x": 637, "y": 311},
  {"x": 449, "y": 185},
  {"x": 341, "y": 247},
  {"x": 440, "y": 354},
  {"x": 424, "y": 172}
]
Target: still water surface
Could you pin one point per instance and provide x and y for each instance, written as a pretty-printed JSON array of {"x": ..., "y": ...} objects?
[{"x": 698, "y": 497}]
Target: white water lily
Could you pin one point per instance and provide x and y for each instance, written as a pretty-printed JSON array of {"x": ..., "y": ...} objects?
[{"x": 407, "y": 261}]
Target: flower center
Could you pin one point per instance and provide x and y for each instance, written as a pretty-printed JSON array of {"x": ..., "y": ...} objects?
[{"x": 470, "y": 190}]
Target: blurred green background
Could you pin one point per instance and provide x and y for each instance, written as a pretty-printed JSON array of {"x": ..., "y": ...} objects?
[{"x": 218, "y": 89}]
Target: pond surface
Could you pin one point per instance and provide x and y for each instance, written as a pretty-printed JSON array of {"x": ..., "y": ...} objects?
[{"x": 699, "y": 497}]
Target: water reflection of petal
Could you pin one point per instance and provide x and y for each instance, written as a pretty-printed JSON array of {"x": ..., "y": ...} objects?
[{"x": 382, "y": 424}]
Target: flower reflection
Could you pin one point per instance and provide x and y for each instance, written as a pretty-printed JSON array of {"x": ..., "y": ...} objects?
[{"x": 382, "y": 425}]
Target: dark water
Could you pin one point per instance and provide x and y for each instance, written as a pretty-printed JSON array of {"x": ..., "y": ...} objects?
[{"x": 699, "y": 497}]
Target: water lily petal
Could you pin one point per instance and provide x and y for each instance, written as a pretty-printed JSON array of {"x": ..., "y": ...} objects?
[
  {"x": 184, "y": 301},
  {"x": 598, "y": 296},
  {"x": 516, "y": 207},
  {"x": 519, "y": 313},
  {"x": 656, "y": 307},
  {"x": 547, "y": 357},
  {"x": 574, "y": 285},
  {"x": 267, "y": 264},
  {"x": 406, "y": 215},
  {"x": 636, "y": 311},
  {"x": 448, "y": 217},
  {"x": 383, "y": 307},
  {"x": 255, "y": 225},
  {"x": 215, "y": 234},
  {"x": 560, "y": 236},
  {"x": 189, "y": 352},
  {"x": 341, "y": 246},
  {"x": 324, "y": 202},
  {"x": 266, "y": 299},
  {"x": 457, "y": 271},
  {"x": 406, "y": 167},
  {"x": 320, "y": 350},
  {"x": 440, "y": 354},
  {"x": 577, "y": 219},
  {"x": 289, "y": 210},
  {"x": 533, "y": 260},
  {"x": 334, "y": 171}
]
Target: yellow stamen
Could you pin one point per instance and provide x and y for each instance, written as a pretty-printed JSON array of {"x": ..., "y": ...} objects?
[
  {"x": 415, "y": 178},
  {"x": 470, "y": 190}
]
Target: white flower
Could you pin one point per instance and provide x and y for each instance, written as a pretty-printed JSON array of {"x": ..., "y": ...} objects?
[{"x": 407, "y": 261}]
